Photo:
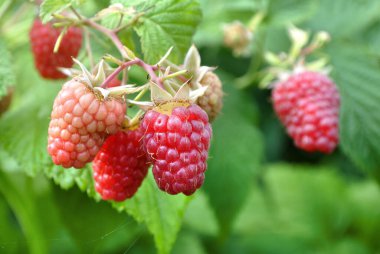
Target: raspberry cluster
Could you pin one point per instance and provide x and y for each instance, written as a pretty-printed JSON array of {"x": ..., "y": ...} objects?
[
  {"x": 307, "y": 104},
  {"x": 174, "y": 137},
  {"x": 171, "y": 132}
]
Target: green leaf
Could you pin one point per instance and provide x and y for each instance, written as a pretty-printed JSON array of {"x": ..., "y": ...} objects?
[
  {"x": 336, "y": 17},
  {"x": 189, "y": 243},
  {"x": 162, "y": 213},
  {"x": 48, "y": 7},
  {"x": 218, "y": 13},
  {"x": 199, "y": 216},
  {"x": 165, "y": 24},
  {"x": 7, "y": 78},
  {"x": 97, "y": 223},
  {"x": 283, "y": 12},
  {"x": 233, "y": 161},
  {"x": 23, "y": 132},
  {"x": 29, "y": 206},
  {"x": 357, "y": 75},
  {"x": 294, "y": 206}
]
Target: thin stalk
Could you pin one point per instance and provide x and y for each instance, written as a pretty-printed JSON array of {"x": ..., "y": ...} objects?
[
  {"x": 88, "y": 47},
  {"x": 118, "y": 70},
  {"x": 110, "y": 34},
  {"x": 141, "y": 94}
]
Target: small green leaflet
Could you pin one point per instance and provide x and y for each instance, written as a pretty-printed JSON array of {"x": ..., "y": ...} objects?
[
  {"x": 48, "y": 7},
  {"x": 7, "y": 77},
  {"x": 165, "y": 24}
]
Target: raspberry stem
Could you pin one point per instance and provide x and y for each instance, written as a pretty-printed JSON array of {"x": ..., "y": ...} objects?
[
  {"x": 148, "y": 68},
  {"x": 88, "y": 47},
  {"x": 110, "y": 34}
]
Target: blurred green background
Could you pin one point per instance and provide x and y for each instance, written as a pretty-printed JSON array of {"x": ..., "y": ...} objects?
[{"x": 261, "y": 194}]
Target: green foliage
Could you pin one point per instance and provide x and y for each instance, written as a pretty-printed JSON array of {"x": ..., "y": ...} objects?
[
  {"x": 161, "y": 213},
  {"x": 165, "y": 24},
  {"x": 317, "y": 211},
  {"x": 7, "y": 78},
  {"x": 336, "y": 16},
  {"x": 357, "y": 75},
  {"x": 48, "y": 7},
  {"x": 222, "y": 183},
  {"x": 217, "y": 13},
  {"x": 283, "y": 12},
  {"x": 245, "y": 206}
]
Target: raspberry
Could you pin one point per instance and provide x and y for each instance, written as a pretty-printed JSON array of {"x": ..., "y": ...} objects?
[
  {"x": 80, "y": 122},
  {"x": 237, "y": 37},
  {"x": 307, "y": 103},
  {"x": 114, "y": 83},
  {"x": 211, "y": 101},
  {"x": 43, "y": 38},
  {"x": 120, "y": 166},
  {"x": 177, "y": 140}
]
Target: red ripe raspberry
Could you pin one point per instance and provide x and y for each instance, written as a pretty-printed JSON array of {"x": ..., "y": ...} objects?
[
  {"x": 43, "y": 38},
  {"x": 114, "y": 83},
  {"x": 177, "y": 139},
  {"x": 120, "y": 166},
  {"x": 79, "y": 123},
  {"x": 307, "y": 103}
]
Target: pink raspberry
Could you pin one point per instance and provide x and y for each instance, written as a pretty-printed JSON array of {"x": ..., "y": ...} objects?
[
  {"x": 307, "y": 104},
  {"x": 80, "y": 121},
  {"x": 177, "y": 139},
  {"x": 120, "y": 166}
]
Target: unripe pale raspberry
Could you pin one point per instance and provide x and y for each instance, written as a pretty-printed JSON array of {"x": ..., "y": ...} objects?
[
  {"x": 120, "y": 166},
  {"x": 212, "y": 100},
  {"x": 79, "y": 123},
  {"x": 237, "y": 37},
  {"x": 307, "y": 104},
  {"x": 43, "y": 38},
  {"x": 177, "y": 139}
]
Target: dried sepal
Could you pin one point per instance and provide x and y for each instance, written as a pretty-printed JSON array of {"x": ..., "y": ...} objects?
[
  {"x": 192, "y": 60},
  {"x": 158, "y": 94}
]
